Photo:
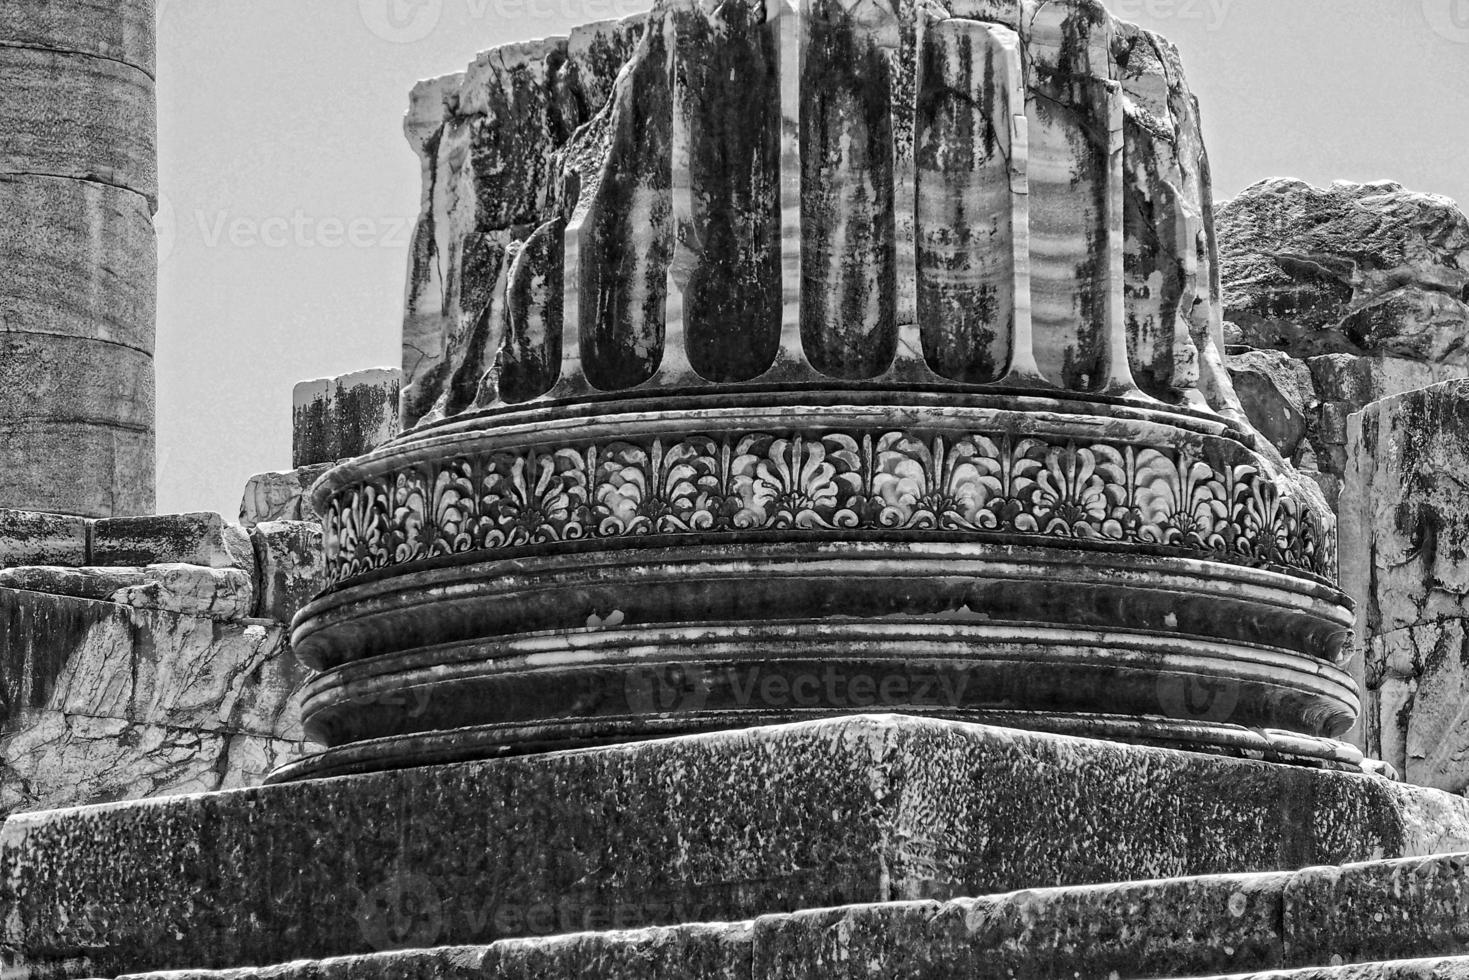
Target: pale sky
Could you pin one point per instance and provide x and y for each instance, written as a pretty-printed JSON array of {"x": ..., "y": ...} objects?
[{"x": 290, "y": 192}]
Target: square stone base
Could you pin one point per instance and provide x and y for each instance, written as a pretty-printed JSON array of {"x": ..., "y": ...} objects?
[{"x": 706, "y": 828}]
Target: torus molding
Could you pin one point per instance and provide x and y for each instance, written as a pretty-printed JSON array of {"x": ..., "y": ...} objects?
[{"x": 981, "y": 484}]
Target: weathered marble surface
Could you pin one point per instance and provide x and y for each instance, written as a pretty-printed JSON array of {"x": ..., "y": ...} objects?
[
  {"x": 119, "y": 30},
  {"x": 125, "y": 681},
  {"x": 338, "y": 418},
  {"x": 814, "y": 333},
  {"x": 1445, "y": 968},
  {"x": 204, "y": 539},
  {"x": 281, "y": 495},
  {"x": 78, "y": 185},
  {"x": 1391, "y": 914},
  {"x": 710, "y": 828},
  {"x": 292, "y": 570},
  {"x": 104, "y": 701},
  {"x": 29, "y": 538},
  {"x": 1363, "y": 284},
  {"x": 1353, "y": 268},
  {"x": 1405, "y": 526},
  {"x": 812, "y": 209}
]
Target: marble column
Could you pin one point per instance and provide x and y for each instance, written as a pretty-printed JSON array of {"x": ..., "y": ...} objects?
[
  {"x": 78, "y": 188},
  {"x": 773, "y": 361}
]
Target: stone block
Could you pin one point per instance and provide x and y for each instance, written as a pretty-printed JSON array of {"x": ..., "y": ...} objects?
[
  {"x": 1360, "y": 380},
  {"x": 283, "y": 495},
  {"x": 1404, "y": 539},
  {"x": 1418, "y": 702},
  {"x": 48, "y": 378},
  {"x": 194, "y": 539},
  {"x": 312, "y": 436},
  {"x": 1224, "y": 926},
  {"x": 105, "y": 660},
  {"x": 103, "y": 702},
  {"x": 339, "y": 418},
  {"x": 1277, "y": 394},
  {"x": 1405, "y": 509},
  {"x": 69, "y": 115},
  {"x": 82, "y": 468},
  {"x": 1449, "y": 968},
  {"x": 80, "y": 261},
  {"x": 292, "y": 571},
  {"x": 58, "y": 758},
  {"x": 119, "y": 30},
  {"x": 713, "y": 828},
  {"x": 1347, "y": 269},
  {"x": 215, "y": 593},
  {"x": 29, "y": 538}
]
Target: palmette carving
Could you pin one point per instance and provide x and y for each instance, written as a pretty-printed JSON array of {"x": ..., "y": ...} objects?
[{"x": 944, "y": 483}]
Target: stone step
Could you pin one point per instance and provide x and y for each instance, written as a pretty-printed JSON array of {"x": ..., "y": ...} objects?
[
  {"x": 827, "y": 814},
  {"x": 1177, "y": 928},
  {"x": 1450, "y": 968}
]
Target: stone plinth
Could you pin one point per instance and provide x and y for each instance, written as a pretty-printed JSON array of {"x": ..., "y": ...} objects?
[
  {"x": 715, "y": 827},
  {"x": 1405, "y": 519},
  {"x": 856, "y": 354},
  {"x": 77, "y": 190}
]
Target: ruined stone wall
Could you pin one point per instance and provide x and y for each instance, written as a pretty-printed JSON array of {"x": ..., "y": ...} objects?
[
  {"x": 77, "y": 300},
  {"x": 150, "y": 656},
  {"x": 1405, "y": 550},
  {"x": 141, "y": 656},
  {"x": 1334, "y": 298}
]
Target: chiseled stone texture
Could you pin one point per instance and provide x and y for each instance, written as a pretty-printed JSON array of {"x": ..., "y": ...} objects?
[
  {"x": 1405, "y": 556},
  {"x": 119, "y": 30},
  {"x": 80, "y": 261},
  {"x": 700, "y": 828},
  {"x": 343, "y": 417},
  {"x": 29, "y": 538},
  {"x": 197, "y": 539},
  {"x": 1317, "y": 922},
  {"x": 1363, "y": 284},
  {"x": 1353, "y": 268},
  {"x": 127, "y": 680},
  {"x": 107, "y": 471},
  {"x": 70, "y": 115},
  {"x": 281, "y": 495},
  {"x": 1445, "y": 968},
  {"x": 292, "y": 572},
  {"x": 106, "y": 701},
  {"x": 78, "y": 185}
]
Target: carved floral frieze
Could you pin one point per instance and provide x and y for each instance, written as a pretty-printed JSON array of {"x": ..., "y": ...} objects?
[{"x": 920, "y": 483}]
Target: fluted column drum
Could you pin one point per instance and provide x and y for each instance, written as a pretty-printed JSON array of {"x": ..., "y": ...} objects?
[{"x": 768, "y": 363}]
